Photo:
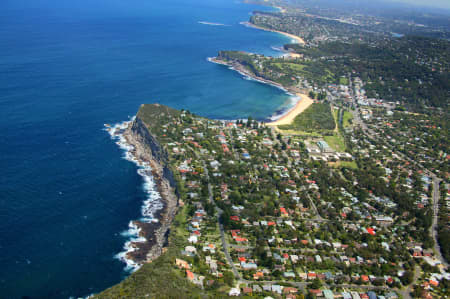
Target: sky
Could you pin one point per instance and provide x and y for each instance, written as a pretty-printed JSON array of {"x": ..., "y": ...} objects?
[{"x": 433, "y": 3}]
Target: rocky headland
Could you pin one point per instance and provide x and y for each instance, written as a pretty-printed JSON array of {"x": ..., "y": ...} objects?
[{"x": 146, "y": 149}]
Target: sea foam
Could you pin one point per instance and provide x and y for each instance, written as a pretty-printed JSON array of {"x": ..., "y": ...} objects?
[{"x": 150, "y": 205}]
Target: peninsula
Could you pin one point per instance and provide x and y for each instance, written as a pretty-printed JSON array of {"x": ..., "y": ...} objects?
[
  {"x": 337, "y": 198},
  {"x": 248, "y": 210}
]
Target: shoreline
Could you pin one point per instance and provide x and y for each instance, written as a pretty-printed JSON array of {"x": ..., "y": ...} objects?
[
  {"x": 146, "y": 235},
  {"x": 284, "y": 117},
  {"x": 297, "y": 39}
]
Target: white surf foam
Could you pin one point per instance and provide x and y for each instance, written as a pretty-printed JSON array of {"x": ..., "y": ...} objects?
[
  {"x": 152, "y": 203},
  {"x": 289, "y": 104},
  {"x": 211, "y": 23}
]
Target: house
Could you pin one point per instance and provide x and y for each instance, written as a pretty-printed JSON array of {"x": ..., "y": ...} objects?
[
  {"x": 182, "y": 264},
  {"x": 294, "y": 258},
  {"x": 391, "y": 295},
  {"x": 302, "y": 275},
  {"x": 193, "y": 239},
  {"x": 346, "y": 295},
  {"x": 311, "y": 275},
  {"x": 258, "y": 275},
  {"x": 372, "y": 295},
  {"x": 210, "y": 247},
  {"x": 371, "y": 231},
  {"x": 289, "y": 274},
  {"x": 234, "y": 292},
  {"x": 248, "y": 266},
  {"x": 316, "y": 292},
  {"x": 324, "y": 147},
  {"x": 384, "y": 220},
  {"x": 355, "y": 295},
  {"x": 276, "y": 289},
  {"x": 328, "y": 294},
  {"x": 190, "y": 276},
  {"x": 257, "y": 288},
  {"x": 247, "y": 290},
  {"x": 267, "y": 288},
  {"x": 190, "y": 249},
  {"x": 289, "y": 290}
]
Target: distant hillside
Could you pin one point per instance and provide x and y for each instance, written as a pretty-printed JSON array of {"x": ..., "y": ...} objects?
[{"x": 414, "y": 70}]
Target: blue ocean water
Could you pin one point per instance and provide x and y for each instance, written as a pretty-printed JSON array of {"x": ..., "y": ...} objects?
[{"x": 66, "y": 68}]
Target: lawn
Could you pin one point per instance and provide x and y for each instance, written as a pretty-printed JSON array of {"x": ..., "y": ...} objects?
[
  {"x": 299, "y": 133},
  {"x": 336, "y": 142},
  {"x": 349, "y": 164},
  {"x": 346, "y": 118},
  {"x": 336, "y": 118},
  {"x": 295, "y": 66}
]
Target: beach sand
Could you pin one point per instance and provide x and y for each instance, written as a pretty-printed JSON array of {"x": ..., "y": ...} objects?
[
  {"x": 301, "y": 106},
  {"x": 298, "y": 39},
  {"x": 295, "y": 38}
]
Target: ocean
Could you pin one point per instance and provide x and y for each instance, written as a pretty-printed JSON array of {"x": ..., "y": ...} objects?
[{"x": 67, "y": 194}]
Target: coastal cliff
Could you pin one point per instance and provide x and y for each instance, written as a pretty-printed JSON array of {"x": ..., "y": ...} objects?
[
  {"x": 146, "y": 139},
  {"x": 147, "y": 149}
]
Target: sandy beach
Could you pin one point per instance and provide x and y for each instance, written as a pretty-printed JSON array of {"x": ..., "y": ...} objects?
[
  {"x": 301, "y": 106},
  {"x": 295, "y": 38},
  {"x": 304, "y": 102}
]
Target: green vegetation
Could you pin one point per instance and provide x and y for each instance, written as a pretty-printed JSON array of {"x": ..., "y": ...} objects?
[
  {"x": 160, "y": 277},
  {"x": 263, "y": 187},
  {"x": 280, "y": 70},
  {"x": 410, "y": 69},
  {"x": 336, "y": 116},
  {"x": 346, "y": 119},
  {"x": 443, "y": 224},
  {"x": 154, "y": 114},
  {"x": 317, "y": 118},
  {"x": 349, "y": 164},
  {"x": 336, "y": 142},
  {"x": 343, "y": 81}
]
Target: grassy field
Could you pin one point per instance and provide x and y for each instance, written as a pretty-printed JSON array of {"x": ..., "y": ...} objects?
[
  {"x": 349, "y": 164},
  {"x": 336, "y": 118},
  {"x": 346, "y": 118},
  {"x": 291, "y": 66},
  {"x": 299, "y": 133},
  {"x": 336, "y": 142},
  {"x": 317, "y": 118}
]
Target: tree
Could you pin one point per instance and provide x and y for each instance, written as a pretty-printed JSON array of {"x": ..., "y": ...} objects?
[
  {"x": 316, "y": 284},
  {"x": 407, "y": 277},
  {"x": 228, "y": 278},
  {"x": 249, "y": 121}
]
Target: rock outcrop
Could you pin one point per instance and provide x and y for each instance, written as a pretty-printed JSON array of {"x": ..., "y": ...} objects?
[{"x": 147, "y": 149}]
